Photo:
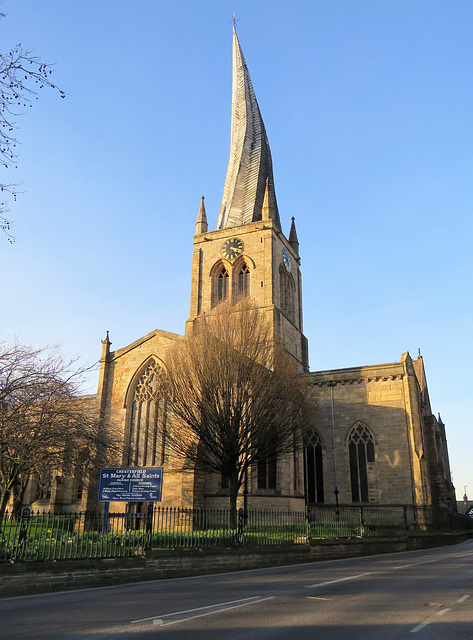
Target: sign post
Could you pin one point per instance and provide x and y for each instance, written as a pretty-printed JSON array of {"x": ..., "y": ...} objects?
[{"x": 130, "y": 484}]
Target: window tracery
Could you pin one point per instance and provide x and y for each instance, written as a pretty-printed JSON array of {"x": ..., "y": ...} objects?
[
  {"x": 362, "y": 461},
  {"x": 220, "y": 283},
  {"x": 287, "y": 290},
  {"x": 230, "y": 281},
  {"x": 313, "y": 467},
  {"x": 147, "y": 432},
  {"x": 244, "y": 281}
]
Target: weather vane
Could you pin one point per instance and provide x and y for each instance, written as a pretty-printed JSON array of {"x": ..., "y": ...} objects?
[{"x": 234, "y": 20}]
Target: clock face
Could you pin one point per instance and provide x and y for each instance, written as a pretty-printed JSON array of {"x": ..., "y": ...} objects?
[
  {"x": 231, "y": 248},
  {"x": 286, "y": 259}
]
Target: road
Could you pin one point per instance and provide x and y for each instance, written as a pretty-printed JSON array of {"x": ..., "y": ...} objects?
[{"x": 420, "y": 595}]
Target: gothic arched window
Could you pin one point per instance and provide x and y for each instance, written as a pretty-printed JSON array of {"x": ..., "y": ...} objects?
[
  {"x": 287, "y": 292},
  {"x": 221, "y": 285},
  {"x": 147, "y": 432},
  {"x": 244, "y": 281},
  {"x": 266, "y": 472},
  {"x": 313, "y": 468},
  {"x": 362, "y": 461}
]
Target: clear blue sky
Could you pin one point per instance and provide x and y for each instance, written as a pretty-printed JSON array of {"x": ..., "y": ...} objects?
[{"x": 368, "y": 108}]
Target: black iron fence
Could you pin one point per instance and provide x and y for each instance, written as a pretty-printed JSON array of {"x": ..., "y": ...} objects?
[{"x": 46, "y": 536}]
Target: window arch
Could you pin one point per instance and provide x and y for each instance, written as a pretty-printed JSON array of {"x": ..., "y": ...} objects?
[
  {"x": 223, "y": 280},
  {"x": 147, "y": 418},
  {"x": 287, "y": 290},
  {"x": 243, "y": 281},
  {"x": 362, "y": 462},
  {"x": 313, "y": 467},
  {"x": 220, "y": 284}
]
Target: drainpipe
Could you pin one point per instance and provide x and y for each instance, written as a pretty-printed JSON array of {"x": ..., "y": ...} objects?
[{"x": 331, "y": 384}]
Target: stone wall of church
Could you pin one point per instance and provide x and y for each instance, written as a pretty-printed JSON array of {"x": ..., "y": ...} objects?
[
  {"x": 263, "y": 246},
  {"x": 385, "y": 400},
  {"x": 119, "y": 372},
  {"x": 257, "y": 241}
]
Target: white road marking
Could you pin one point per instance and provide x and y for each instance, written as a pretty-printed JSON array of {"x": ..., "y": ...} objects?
[
  {"x": 415, "y": 564},
  {"x": 442, "y": 612},
  {"x": 324, "y": 584},
  {"x": 462, "y": 555},
  {"x": 162, "y": 622},
  {"x": 207, "y": 611}
]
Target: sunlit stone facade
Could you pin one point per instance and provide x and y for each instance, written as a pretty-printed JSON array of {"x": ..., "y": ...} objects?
[{"x": 372, "y": 436}]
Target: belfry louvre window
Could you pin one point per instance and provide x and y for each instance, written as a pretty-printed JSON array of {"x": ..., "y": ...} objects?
[
  {"x": 147, "y": 431},
  {"x": 362, "y": 456},
  {"x": 222, "y": 285},
  {"x": 244, "y": 282},
  {"x": 287, "y": 292},
  {"x": 313, "y": 468}
]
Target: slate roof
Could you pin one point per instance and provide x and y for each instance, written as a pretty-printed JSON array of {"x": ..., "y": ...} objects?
[{"x": 250, "y": 163}]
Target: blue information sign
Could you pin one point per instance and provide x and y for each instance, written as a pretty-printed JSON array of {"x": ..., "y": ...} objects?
[{"x": 130, "y": 484}]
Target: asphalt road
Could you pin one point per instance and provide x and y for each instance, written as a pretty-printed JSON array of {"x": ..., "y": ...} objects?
[{"x": 420, "y": 595}]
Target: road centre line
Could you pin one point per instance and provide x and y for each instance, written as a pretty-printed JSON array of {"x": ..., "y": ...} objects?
[
  {"x": 360, "y": 575},
  {"x": 431, "y": 558},
  {"x": 210, "y": 613},
  {"x": 415, "y": 564},
  {"x": 324, "y": 584},
  {"x": 216, "y": 608},
  {"x": 442, "y": 612}
]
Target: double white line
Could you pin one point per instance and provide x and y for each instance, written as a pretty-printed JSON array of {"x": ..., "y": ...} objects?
[{"x": 200, "y": 612}]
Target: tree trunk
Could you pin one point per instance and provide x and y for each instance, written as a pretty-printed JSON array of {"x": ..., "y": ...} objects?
[
  {"x": 5, "y": 496},
  {"x": 5, "y": 492},
  {"x": 234, "y": 488},
  {"x": 18, "y": 496}
]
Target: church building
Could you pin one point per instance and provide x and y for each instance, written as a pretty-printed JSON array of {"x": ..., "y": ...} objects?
[{"x": 373, "y": 438}]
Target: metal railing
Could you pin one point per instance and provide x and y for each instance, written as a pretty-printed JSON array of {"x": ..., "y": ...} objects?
[{"x": 47, "y": 536}]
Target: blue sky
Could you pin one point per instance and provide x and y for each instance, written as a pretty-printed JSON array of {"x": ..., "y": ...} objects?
[{"x": 368, "y": 109}]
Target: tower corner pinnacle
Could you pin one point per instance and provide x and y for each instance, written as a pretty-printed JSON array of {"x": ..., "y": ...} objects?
[
  {"x": 105, "y": 347},
  {"x": 201, "y": 225},
  {"x": 293, "y": 239},
  {"x": 267, "y": 210}
]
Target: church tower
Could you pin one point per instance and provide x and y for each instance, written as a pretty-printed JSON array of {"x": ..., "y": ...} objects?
[{"x": 248, "y": 255}]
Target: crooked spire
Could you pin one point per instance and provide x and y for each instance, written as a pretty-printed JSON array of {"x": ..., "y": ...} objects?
[{"x": 250, "y": 165}]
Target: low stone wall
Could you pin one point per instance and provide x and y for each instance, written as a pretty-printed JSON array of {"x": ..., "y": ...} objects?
[{"x": 63, "y": 575}]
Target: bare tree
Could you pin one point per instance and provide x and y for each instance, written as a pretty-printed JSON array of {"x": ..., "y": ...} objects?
[
  {"x": 237, "y": 396},
  {"x": 22, "y": 75},
  {"x": 44, "y": 421}
]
